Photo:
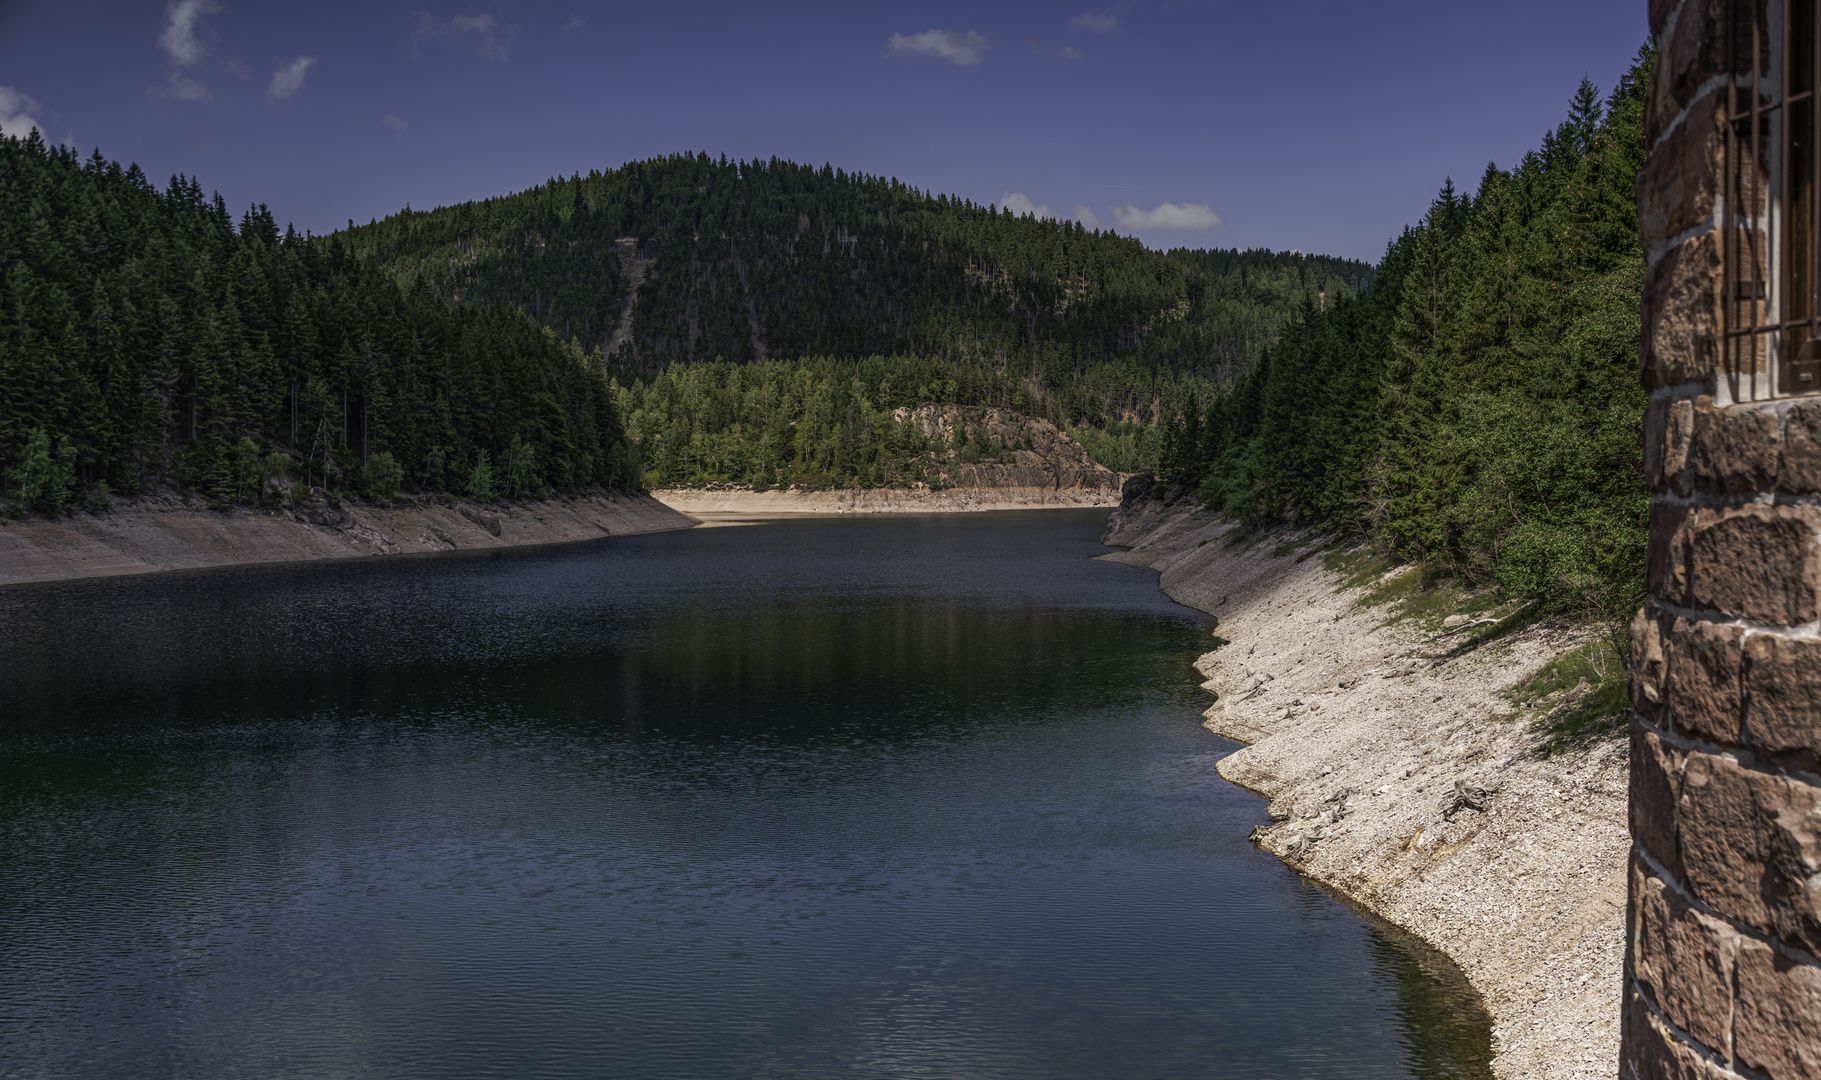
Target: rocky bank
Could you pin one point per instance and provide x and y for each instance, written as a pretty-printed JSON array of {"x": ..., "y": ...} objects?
[
  {"x": 139, "y": 535},
  {"x": 1033, "y": 465},
  {"x": 1399, "y": 773}
]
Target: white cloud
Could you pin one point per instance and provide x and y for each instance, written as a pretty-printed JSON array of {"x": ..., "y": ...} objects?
[
  {"x": 1070, "y": 52},
  {"x": 1022, "y": 206},
  {"x": 179, "y": 36},
  {"x": 16, "y": 111},
  {"x": 965, "y": 49},
  {"x": 392, "y": 121},
  {"x": 493, "y": 38},
  {"x": 1179, "y": 216},
  {"x": 574, "y": 24},
  {"x": 289, "y": 79},
  {"x": 1095, "y": 24},
  {"x": 184, "y": 88},
  {"x": 1087, "y": 217}
]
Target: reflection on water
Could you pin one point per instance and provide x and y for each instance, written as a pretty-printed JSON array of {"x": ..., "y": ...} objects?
[{"x": 918, "y": 797}]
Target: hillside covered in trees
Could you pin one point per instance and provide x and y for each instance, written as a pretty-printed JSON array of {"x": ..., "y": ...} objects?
[
  {"x": 1479, "y": 409},
  {"x": 746, "y": 261},
  {"x": 147, "y": 339},
  {"x": 852, "y": 294}
]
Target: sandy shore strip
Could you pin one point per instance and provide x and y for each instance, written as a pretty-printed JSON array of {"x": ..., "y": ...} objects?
[
  {"x": 143, "y": 535},
  {"x": 1363, "y": 736}
]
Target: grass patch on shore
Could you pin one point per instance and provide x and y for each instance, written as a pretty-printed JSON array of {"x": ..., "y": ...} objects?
[
  {"x": 1411, "y": 591},
  {"x": 1578, "y": 698}
]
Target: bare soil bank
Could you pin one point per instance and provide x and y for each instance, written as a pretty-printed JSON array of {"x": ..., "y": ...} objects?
[
  {"x": 1364, "y": 735},
  {"x": 136, "y": 536}
]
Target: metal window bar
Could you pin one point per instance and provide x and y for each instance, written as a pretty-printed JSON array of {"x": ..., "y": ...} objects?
[{"x": 1771, "y": 215}]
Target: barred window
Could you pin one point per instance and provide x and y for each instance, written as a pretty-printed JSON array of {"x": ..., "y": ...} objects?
[{"x": 1771, "y": 303}]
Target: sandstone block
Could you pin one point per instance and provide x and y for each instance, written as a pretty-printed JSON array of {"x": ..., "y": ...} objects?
[
  {"x": 1681, "y": 314},
  {"x": 1649, "y": 663},
  {"x": 1704, "y": 660},
  {"x": 1656, "y": 789},
  {"x": 1777, "y": 1023},
  {"x": 1734, "y": 451},
  {"x": 1782, "y": 697},
  {"x": 1677, "y": 439},
  {"x": 1759, "y": 561},
  {"x": 1751, "y": 846},
  {"x": 1650, "y": 1051},
  {"x": 1666, "y": 563},
  {"x": 1678, "y": 186},
  {"x": 1799, "y": 464},
  {"x": 1683, "y": 958},
  {"x": 1656, "y": 421},
  {"x": 1693, "y": 52}
]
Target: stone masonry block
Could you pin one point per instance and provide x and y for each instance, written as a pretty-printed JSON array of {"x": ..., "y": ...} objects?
[
  {"x": 1782, "y": 697},
  {"x": 1751, "y": 846},
  {"x": 1656, "y": 420},
  {"x": 1650, "y": 1051},
  {"x": 1762, "y": 562},
  {"x": 1656, "y": 789},
  {"x": 1704, "y": 659},
  {"x": 1687, "y": 55},
  {"x": 1677, "y": 438},
  {"x": 1683, "y": 958},
  {"x": 1734, "y": 451},
  {"x": 1649, "y": 663},
  {"x": 1679, "y": 185},
  {"x": 1693, "y": 53},
  {"x": 1799, "y": 465},
  {"x": 1666, "y": 560},
  {"x": 1682, "y": 314},
  {"x": 1777, "y": 1023}
]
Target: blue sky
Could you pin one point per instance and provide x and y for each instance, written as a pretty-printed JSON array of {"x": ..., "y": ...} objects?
[{"x": 1308, "y": 124}]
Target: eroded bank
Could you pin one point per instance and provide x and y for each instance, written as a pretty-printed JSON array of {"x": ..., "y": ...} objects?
[
  {"x": 135, "y": 536},
  {"x": 1399, "y": 773}
]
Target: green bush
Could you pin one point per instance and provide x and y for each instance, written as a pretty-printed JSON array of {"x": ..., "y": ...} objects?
[
  {"x": 382, "y": 476},
  {"x": 45, "y": 479},
  {"x": 480, "y": 480}
]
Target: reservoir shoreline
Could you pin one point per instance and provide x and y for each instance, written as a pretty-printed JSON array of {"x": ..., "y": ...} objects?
[
  {"x": 1361, "y": 733},
  {"x": 154, "y": 533}
]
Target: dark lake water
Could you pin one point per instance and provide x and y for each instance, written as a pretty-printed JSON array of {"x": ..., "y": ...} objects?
[{"x": 913, "y": 797}]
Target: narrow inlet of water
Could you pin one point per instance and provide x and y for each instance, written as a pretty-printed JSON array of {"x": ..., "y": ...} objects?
[{"x": 889, "y": 797}]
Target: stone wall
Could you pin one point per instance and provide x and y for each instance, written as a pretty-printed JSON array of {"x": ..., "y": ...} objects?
[{"x": 1724, "y": 922}]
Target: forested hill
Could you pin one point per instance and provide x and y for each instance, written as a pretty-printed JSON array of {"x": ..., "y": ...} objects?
[
  {"x": 148, "y": 340},
  {"x": 1479, "y": 410},
  {"x": 689, "y": 259}
]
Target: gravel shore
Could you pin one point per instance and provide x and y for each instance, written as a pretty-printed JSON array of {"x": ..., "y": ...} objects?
[
  {"x": 136, "y": 536},
  {"x": 1400, "y": 774}
]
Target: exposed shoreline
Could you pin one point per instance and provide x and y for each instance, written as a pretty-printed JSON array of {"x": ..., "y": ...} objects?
[
  {"x": 150, "y": 534},
  {"x": 735, "y": 502},
  {"x": 1357, "y": 733}
]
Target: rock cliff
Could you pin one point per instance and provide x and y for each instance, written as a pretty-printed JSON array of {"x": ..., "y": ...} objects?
[{"x": 1030, "y": 464}]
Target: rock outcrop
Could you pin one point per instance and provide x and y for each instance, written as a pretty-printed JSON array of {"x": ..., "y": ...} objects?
[
  {"x": 1396, "y": 772},
  {"x": 135, "y": 536},
  {"x": 1036, "y": 466}
]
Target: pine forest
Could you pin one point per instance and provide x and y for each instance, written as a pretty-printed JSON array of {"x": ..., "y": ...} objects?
[{"x": 1471, "y": 401}]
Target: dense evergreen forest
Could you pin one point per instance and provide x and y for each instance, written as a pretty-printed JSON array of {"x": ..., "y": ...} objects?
[
  {"x": 147, "y": 340},
  {"x": 1479, "y": 410},
  {"x": 748, "y": 261},
  {"x": 1471, "y": 402},
  {"x": 790, "y": 291}
]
